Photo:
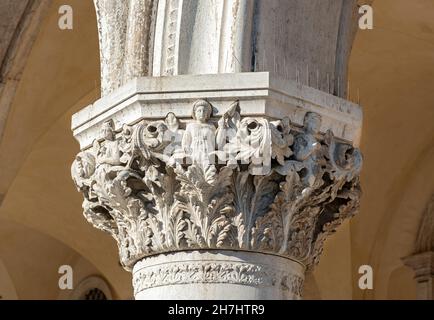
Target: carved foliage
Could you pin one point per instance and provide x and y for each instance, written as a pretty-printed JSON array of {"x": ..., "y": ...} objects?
[
  {"x": 217, "y": 272},
  {"x": 266, "y": 187}
]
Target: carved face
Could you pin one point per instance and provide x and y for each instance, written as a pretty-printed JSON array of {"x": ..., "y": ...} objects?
[
  {"x": 107, "y": 132},
  {"x": 83, "y": 167},
  {"x": 171, "y": 119},
  {"x": 171, "y": 122},
  {"x": 201, "y": 113},
  {"x": 312, "y": 122},
  {"x": 87, "y": 164}
]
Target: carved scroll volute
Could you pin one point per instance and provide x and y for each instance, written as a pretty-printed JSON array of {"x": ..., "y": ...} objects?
[{"x": 230, "y": 183}]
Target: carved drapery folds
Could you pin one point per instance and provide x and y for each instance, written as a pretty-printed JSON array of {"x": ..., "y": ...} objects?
[{"x": 236, "y": 183}]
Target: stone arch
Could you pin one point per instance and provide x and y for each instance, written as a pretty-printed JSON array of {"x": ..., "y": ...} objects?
[
  {"x": 23, "y": 20},
  {"x": 7, "y": 287},
  {"x": 425, "y": 235},
  {"x": 30, "y": 115},
  {"x": 30, "y": 261},
  {"x": 38, "y": 131},
  {"x": 400, "y": 226}
]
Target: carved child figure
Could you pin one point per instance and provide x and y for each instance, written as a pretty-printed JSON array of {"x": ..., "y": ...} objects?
[
  {"x": 109, "y": 152},
  {"x": 307, "y": 147},
  {"x": 82, "y": 169},
  {"x": 172, "y": 136},
  {"x": 198, "y": 141}
]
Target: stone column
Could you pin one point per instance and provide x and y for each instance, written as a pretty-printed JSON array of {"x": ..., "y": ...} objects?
[
  {"x": 423, "y": 267},
  {"x": 214, "y": 185},
  {"x": 422, "y": 260}
]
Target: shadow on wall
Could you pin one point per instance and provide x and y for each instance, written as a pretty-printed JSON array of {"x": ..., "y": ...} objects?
[
  {"x": 401, "y": 285},
  {"x": 30, "y": 262},
  {"x": 7, "y": 288}
]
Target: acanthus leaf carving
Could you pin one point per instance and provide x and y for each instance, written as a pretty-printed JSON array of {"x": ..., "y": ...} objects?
[{"x": 249, "y": 184}]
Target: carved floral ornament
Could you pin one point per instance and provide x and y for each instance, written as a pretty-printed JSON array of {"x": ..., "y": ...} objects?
[
  {"x": 188, "y": 272},
  {"x": 233, "y": 183}
]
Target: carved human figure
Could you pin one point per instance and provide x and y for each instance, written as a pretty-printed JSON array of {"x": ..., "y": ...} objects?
[
  {"x": 345, "y": 160},
  {"x": 198, "y": 142},
  {"x": 228, "y": 126},
  {"x": 109, "y": 152},
  {"x": 282, "y": 140},
  {"x": 256, "y": 200},
  {"x": 82, "y": 169},
  {"x": 173, "y": 135},
  {"x": 108, "y": 156},
  {"x": 172, "y": 122},
  {"x": 307, "y": 147}
]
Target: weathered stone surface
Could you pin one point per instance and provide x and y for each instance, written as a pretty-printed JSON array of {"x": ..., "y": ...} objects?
[
  {"x": 259, "y": 167},
  {"x": 236, "y": 183},
  {"x": 126, "y": 37},
  {"x": 19, "y": 25},
  {"x": 232, "y": 275},
  {"x": 11, "y": 12},
  {"x": 260, "y": 94},
  {"x": 305, "y": 40}
]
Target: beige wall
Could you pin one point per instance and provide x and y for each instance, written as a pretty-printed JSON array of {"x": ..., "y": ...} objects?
[
  {"x": 37, "y": 149},
  {"x": 393, "y": 65},
  {"x": 30, "y": 261}
]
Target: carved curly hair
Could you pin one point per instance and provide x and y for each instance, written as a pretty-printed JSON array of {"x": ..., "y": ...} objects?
[{"x": 202, "y": 103}]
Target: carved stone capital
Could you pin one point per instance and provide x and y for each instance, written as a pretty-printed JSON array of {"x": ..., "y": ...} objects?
[{"x": 218, "y": 180}]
